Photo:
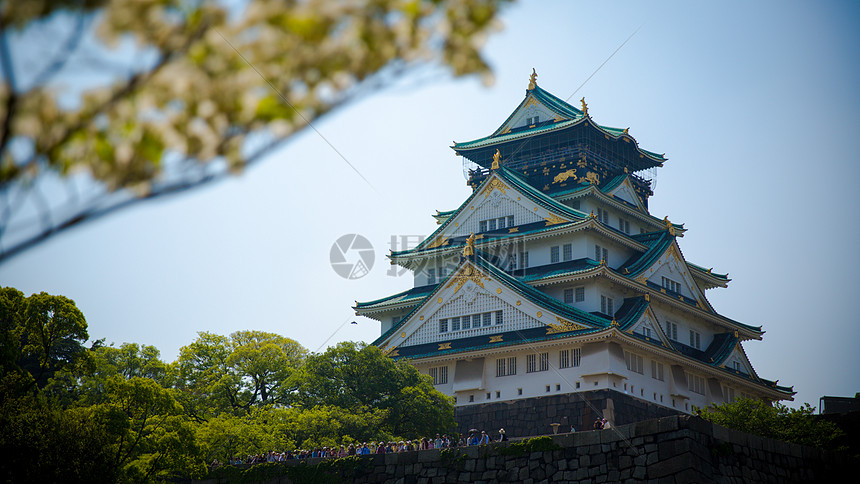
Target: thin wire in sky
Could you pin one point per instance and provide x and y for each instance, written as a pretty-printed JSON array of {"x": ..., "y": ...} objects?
[{"x": 284, "y": 98}]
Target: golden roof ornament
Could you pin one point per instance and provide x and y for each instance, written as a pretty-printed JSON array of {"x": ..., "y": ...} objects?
[
  {"x": 469, "y": 250},
  {"x": 626, "y": 131},
  {"x": 666, "y": 221},
  {"x": 584, "y": 106},
  {"x": 497, "y": 157},
  {"x": 532, "y": 80}
]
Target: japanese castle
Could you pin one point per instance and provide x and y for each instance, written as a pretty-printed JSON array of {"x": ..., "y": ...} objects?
[{"x": 553, "y": 279}]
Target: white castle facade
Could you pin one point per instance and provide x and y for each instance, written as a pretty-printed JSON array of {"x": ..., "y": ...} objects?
[{"x": 553, "y": 278}]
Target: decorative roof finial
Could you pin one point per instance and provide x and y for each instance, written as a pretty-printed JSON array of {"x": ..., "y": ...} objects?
[
  {"x": 497, "y": 157},
  {"x": 469, "y": 250},
  {"x": 666, "y": 221},
  {"x": 584, "y": 106},
  {"x": 533, "y": 80}
]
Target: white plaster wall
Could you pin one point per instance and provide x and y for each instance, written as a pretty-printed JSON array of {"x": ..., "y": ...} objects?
[{"x": 565, "y": 380}]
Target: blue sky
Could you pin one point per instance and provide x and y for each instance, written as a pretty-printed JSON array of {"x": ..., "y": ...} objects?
[{"x": 754, "y": 103}]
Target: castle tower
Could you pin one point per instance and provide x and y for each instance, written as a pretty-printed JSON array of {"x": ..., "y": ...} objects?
[{"x": 552, "y": 293}]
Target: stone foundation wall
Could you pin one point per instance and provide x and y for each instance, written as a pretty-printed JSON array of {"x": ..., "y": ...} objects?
[
  {"x": 534, "y": 416},
  {"x": 676, "y": 449}
]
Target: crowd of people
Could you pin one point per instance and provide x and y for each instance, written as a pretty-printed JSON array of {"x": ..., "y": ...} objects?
[
  {"x": 367, "y": 448},
  {"x": 474, "y": 437}
]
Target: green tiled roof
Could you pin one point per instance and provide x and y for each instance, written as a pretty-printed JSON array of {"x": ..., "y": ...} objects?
[
  {"x": 517, "y": 183},
  {"x": 712, "y": 274},
  {"x": 658, "y": 243},
  {"x": 570, "y": 117},
  {"x": 408, "y": 295}
]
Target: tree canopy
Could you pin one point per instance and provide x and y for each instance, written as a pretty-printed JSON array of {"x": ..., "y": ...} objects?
[
  {"x": 183, "y": 92},
  {"x": 121, "y": 414},
  {"x": 777, "y": 421}
]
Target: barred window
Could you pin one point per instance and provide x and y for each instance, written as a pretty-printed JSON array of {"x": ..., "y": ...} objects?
[
  {"x": 499, "y": 319},
  {"x": 467, "y": 322},
  {"x": 531, "y": 367},
  {"x": 695, "y": 339},
  {"x": 568, "y": 296},
  {"x": 487, "y": 319},
  {"x": 443, "y": 325},
  {"x": 575, "y": 356},
  {"x": 567, "y": 252},
  {"x": 634, "y": 362},
  {"x": 482, "y": 226},
  {"x": 553, "y": 254},
  {"x": 506, "y": 366},
  {"x": 656, "y": 370},
  {"x": 672, "y": 330},
  {"x": 564, "y": 359},
  {"x": 510, "y": 220},
  {"x": 696, "y": 384},
  {"x": 455, "y": 324},
  {"x": 544, "y": 361},
  {"x": 580, "y": 294},
  {"x": 439, "y": 375},
  {"x": 607, "y": 305}
]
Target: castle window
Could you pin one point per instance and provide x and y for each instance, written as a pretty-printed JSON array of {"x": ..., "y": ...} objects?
[
  {"x": 502, "y": 223},
  {"x": 601, "y": 254},
  {"x": 506, "y": 366},
  {"x": 603, "y": 216},
  {"x": 656, "y": 370},
  {"x": 736, "y": 365},
  {"x": 471, "y": 398},
  {"x": 510, "y": 220},
  {"x": 696, "y": 384},
  {"x": 439, "y": 375},
  {"x": 567, "y": 252},
  {"x": 553, "y": 254},
  {"x": 482, "y": 226},
  {"x": 491, "y": 224},
  {"x": 524, "y": 260},
  {"x": 730, "y": 394},
  {"x": 487, "y": 319},
  {"x": 634, "y": 362},
  {"x": 579, "y": 294},
  {"x": 535, "y": 363},
  {"x": 455, "y": 324},
  {"x": 568, "y": 358},
  {"x": 467, "y": 322},
  {"x": 646, "y": 331},
  {"x": 498, "y": 394},
  {"x": 568, "y": 296},
  {"x": 431, "y": 276},
  {"x": 695, "y": 339},
  {"x": 499, "y": 319},
  {"x": 488, "y": 395},
  {"x": 624, "y": 225},
  {"x": 607, "y": 305},
  {"x": 671, "y": 285},
  {"x": 443, "y": 325},
  {"x": 672, "y": 330},
  {"x": 519, "y": 391}
]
